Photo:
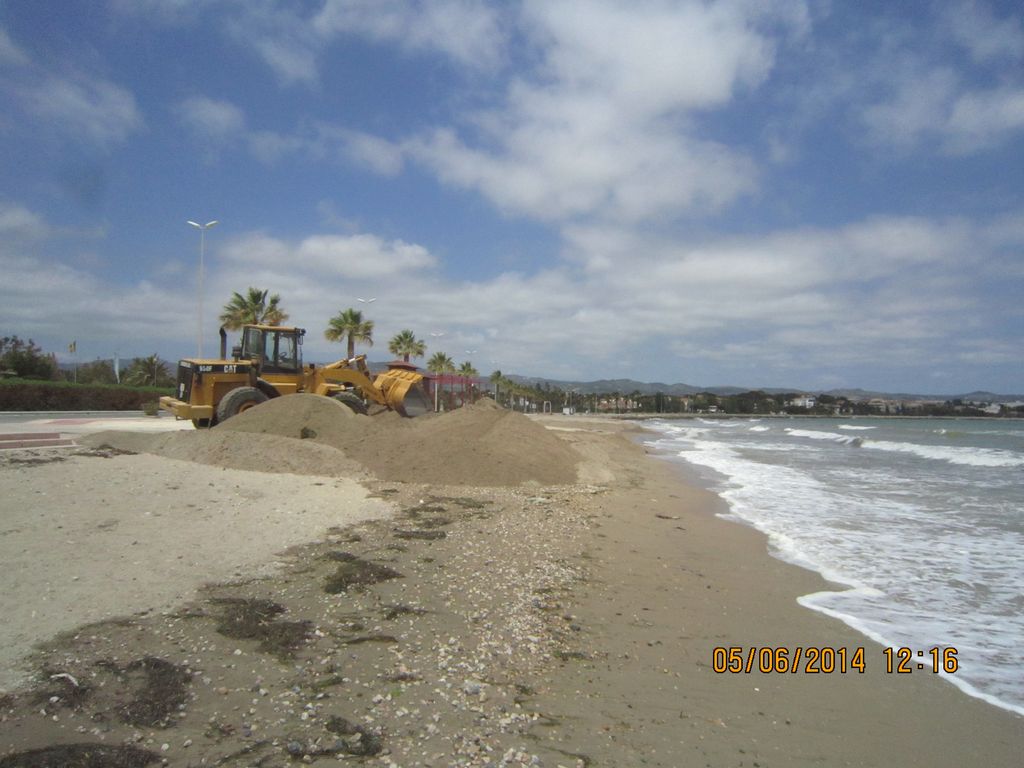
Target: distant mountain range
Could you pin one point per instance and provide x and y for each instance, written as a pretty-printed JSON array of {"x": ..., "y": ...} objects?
[{"x": 629, "y": 386}]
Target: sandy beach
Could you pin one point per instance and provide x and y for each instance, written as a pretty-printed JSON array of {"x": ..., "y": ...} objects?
[{"x": 509, "y": 591}]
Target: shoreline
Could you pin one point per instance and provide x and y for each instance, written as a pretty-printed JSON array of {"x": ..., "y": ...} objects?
[
  {"x": 874, "y": 718},
  {"x": 691, "y": 474},
  {"x": 561, "y": 625}
]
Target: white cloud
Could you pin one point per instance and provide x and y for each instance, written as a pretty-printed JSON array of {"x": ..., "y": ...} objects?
[
  {"x": 468, "y": 32},
  {"x": 894, "y": 290},
  {"x": 789, "y": 304},
  {"x": 361, "y": 149},
  {"x": 99, "y": 313},
  {"x": 984, "y": 118},
  {"x": 916, "y": 91},
  {"x": 95, "y": 109},
  {"x": 650, "y": 57},
  {"x": 973, "y": 24},
  {"x": 292, "y": 59},
  {"x": 211, "y": 119},
  {"x": 562, "y": 169},
  {"x": 281, "y": 35},
  {"x": 918, "y": 104},
  {"x": 222, "y": 123},
  {"x": 10, "y": 52},
  {"x": 168, "y": 10},
  {"x": 607, "y": 123},
  {"x": 358, "y": 257},
  {"x": 270, "y": 146},
  {"x": 291, "y": 41},
  {"x": 939, "y": 106},
  {"x": 19, "y": 223},
  {"x": 936, "y": 106}
]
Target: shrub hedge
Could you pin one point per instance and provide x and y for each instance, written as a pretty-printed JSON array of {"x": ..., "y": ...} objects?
[{"x": 29, "y": 395}]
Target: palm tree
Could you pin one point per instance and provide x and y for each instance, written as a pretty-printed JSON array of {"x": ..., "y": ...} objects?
[
  {"x": 252, "y": 309},
  {"x": 406, "y": 344},
  {"x": 440, "y": 363},
  {"x": 497, "y": 380},
  {"x": 467, "y": 369},
  {"x": 350, "y": 325},
  {"x": 147, "y": 372}
]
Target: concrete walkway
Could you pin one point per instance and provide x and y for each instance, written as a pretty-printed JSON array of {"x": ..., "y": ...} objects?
[{"x": 53, "y": 429}]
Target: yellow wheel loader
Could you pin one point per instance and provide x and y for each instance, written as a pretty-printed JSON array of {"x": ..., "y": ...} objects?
[{"x": 268, "y": 364}]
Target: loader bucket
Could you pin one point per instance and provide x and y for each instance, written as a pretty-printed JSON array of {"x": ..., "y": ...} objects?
[{"x": 403, "y": 392}]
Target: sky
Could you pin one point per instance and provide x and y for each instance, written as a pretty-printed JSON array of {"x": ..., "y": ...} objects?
[{"x": 756, "y": 193}]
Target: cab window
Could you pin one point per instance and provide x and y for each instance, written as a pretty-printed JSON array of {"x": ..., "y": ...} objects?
[
  {"x": 252, "y": 342},
  {"x": 286, "y": 357}
]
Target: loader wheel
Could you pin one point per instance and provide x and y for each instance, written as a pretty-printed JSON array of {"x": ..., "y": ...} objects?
[
  {"x": 202, "y": 423},
  {"x": 352, "y": 401},
  {"x": 238, "y": 400}
]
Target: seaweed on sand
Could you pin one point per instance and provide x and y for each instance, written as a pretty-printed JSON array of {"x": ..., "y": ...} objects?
[
  {"x": 353, "y": 571},
  {"x": 81, "y": 755},
  {"x": 161, "y": 690},
  {"x": 255, "y": 619}
]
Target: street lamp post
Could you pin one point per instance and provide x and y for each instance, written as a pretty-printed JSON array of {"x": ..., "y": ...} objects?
[{"x": 202, "y": 256}]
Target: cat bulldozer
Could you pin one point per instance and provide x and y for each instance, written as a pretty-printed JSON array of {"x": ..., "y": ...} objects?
[{"x": 268, "y": 364}]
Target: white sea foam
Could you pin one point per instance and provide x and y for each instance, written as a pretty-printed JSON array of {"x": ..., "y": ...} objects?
[
  {"x": 759, "y": 429},
  {"x": 910, "y": 538},
  {"x": 964, "y": 455},
  {"x": 854, "y": 427},
  {"x": 816, "y": 435}
]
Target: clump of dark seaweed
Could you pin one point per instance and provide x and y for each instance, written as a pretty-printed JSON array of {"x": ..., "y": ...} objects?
[
  {"x": 81, "y": 756},
  {"x": 160, "y": 686},
  {"x": 256, "y": 619},
  {"x": 404, "y": 533},
  {"x": 353, "y": 571}
]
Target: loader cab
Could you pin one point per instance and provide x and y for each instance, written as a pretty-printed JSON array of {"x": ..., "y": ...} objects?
[{"x": 278, "y": 349}]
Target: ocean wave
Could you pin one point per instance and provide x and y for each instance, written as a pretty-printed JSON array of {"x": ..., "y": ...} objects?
[
  {"x": 759, "y": 429},
  {"x": 854, "y": 426},
  {"x": 971, "y": 457},
  {"x": 830, "y": 436},
  {"x": 904, "y": 552}
]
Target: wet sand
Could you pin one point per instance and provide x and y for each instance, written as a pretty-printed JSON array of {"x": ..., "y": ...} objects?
[
  {"x": 547, "y": 625},
  {"x": 669, "y": 582}
]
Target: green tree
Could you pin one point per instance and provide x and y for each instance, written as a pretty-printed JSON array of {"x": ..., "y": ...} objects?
[
  {"x": 254, "y": 308},
  {"x": 499, "y": 382},
  {"x": 439, "y": 362},
  {"x": 406, "y": 344},
  {"x": 26, "y": 359},
  {"x": 97, "y": 372},
  {"x": 147, "y": 372},
  {"x": 349, "y": 325},
  {"x": 467, "y": 369}
]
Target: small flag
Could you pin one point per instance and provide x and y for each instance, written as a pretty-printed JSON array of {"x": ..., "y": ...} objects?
[{"x": 73, "y": 346}]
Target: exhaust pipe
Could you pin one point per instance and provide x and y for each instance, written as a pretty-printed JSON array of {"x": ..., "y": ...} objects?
[{"x": 223, "y": 344}]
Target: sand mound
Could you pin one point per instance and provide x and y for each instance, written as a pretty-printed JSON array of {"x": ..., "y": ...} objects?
[
  {"x": 481, "y": 444},
  {"x": 259, "y": 453},
  {"x": 298, "y": 416}
]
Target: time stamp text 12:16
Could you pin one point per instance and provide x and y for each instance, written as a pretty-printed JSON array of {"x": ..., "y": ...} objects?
[{"x": 818, "y": 660}]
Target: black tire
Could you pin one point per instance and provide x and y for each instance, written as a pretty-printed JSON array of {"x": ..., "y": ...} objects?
[
  {"x": 238, "y": 400},
  {"x": 352, "y": 400},
  {"x": 202, "y": 423},
  {"x": 267, "y": 388}
]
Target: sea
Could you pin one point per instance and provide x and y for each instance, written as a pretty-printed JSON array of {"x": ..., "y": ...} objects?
[{"x": 919, "y": 523}]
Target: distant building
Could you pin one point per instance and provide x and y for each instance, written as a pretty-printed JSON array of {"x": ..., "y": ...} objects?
[{"x": 802, "y": 401}]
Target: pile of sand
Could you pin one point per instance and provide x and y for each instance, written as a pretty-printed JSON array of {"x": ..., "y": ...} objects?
[{"x": 481, "y": 444}]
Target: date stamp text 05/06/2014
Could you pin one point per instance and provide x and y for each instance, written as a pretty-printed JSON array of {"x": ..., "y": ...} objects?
[{"x": 817, "y": 660}]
